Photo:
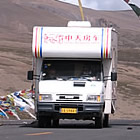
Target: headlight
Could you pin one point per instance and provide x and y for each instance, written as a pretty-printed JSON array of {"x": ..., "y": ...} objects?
[
  {"x": 45, "y": 97},
  {"x": 96, "y": 98}
]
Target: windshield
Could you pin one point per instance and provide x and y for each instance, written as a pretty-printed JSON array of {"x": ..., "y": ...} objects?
[{"x": 71, "y": 70}]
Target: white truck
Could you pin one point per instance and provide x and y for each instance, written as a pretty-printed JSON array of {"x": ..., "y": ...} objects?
[{"x": 74, "y": 73}]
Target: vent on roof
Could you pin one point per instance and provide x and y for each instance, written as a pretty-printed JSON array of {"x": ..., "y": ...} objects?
[{"x": 79, "y": 24}]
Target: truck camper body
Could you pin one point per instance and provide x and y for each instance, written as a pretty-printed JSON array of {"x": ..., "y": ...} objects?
[{"x": 74, "y": 72}]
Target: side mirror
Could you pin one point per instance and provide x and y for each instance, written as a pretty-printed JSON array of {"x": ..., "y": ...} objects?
[
  {"x": 30, "y": 75},
  {"x": 113, "y": 76}
]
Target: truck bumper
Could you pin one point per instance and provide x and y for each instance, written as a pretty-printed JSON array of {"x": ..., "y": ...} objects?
[{"x": 85, "y": 111}]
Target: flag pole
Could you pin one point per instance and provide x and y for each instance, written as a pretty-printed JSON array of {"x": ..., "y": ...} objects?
[{"x": 81, "y": 10}]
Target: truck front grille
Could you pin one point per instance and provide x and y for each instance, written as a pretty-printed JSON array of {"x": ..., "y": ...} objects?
[{"x": 68, "y": 97}]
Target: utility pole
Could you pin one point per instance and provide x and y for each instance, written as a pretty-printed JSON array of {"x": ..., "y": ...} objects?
[{"x": 81, "y": 10}]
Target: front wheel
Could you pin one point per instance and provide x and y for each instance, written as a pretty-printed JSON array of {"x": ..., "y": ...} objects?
[
  {"x": 99, "y": 121},
  {"x": 44, "y": 121},
  {"x": 106, "y": 120},
  {"x": 56, "y": 123},
  {"x": 41, "y": 120}
]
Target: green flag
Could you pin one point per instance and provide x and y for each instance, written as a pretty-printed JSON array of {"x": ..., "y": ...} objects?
[{"x": 135, "y": 8}]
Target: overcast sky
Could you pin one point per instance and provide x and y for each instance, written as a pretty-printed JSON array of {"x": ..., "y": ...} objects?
[{"x": 104, "y": 4}]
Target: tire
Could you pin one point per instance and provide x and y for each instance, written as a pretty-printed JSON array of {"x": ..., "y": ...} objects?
[
  {"x": 44, "y": 121},
  {"x": 106, "y": 120},
  {"x": 48, "y": 122},
  {"x": 56, "y": 123},
  {"x": 41, "y": 120},
  {"x": 99, "y": 121}
]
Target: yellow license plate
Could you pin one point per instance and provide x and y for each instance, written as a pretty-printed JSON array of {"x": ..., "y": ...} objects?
[{"x": 68, "y": 110}]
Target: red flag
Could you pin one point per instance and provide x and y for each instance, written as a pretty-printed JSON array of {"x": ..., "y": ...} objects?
[
  {"x": 10, "y": 113},
  {"x": 126, "y": 1}
]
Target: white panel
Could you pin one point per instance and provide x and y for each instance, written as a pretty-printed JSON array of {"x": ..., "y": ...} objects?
[
  {"x": 72, "y": 42},
  {"x": 108, "y": 84}
]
